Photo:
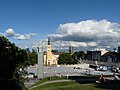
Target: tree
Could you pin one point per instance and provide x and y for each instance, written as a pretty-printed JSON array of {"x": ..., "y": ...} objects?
[
  {"x": 66, "y": 58},
  {"x": 81, "y": 54},
  {"x": 32, "y": 58},
  {"x": 61, "y": 59},
  {"x": 12, "y": 58},
  {"x": 75, "y": 58}
]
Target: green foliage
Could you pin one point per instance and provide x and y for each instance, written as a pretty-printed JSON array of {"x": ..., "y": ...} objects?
[
  {"x": 82, "y": 54},
  {"x": 64, "y": 58},
  {"x": 12, "y": 59},
  {"x": 79, "y": 55},
  {"x": 71, "y": 85},
  {"x": 32, "y": 58},
  {"x": 67, "y": 58},
  {"x": 12, "y": 85}
]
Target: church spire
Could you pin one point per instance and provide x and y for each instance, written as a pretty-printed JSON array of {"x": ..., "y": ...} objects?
[{"x": 48, "y": 41}]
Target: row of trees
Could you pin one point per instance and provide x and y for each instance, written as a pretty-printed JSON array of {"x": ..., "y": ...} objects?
[
  {"x": 12, "y": 60},
  {"x": 67, "y": 58}
]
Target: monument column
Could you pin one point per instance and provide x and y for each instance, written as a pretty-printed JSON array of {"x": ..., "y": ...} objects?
[{"x": 40, "y": 67}]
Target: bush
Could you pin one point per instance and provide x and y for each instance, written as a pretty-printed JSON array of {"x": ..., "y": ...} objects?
[{"x": 11, "y": 85}]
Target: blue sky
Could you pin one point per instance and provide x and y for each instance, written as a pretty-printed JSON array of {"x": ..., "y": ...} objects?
[{"x": 44, "y": 17}]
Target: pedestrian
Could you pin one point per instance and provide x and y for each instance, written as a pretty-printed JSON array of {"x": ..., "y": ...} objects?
[
  {"x": 116, "y": 78},
  {"x": 101, "y": 79},
  {"x": 67, "y": 76}
]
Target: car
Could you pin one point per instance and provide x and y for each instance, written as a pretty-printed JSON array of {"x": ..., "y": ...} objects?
[{"x": 31, "y": 75}]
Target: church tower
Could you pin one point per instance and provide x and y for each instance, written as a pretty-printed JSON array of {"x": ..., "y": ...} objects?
[
  {"x": 49, "y": 53},
  {"x": 49, "y": 57}
]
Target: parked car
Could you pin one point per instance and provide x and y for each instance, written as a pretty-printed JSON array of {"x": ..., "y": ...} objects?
[{"x": 31, "y": 75}]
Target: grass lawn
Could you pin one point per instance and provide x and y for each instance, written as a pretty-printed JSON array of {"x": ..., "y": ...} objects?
[
  {"x": 48, "y": 79},
  {"x": 77, "y": 86},
  {"x": 73, "y": 85}
]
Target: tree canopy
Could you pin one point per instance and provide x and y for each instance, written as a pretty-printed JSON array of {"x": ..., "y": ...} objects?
[
  {"x": 12, "y": 58},
  {"x": 67, "y": 58},
  {"x": 32, "y": 58}
]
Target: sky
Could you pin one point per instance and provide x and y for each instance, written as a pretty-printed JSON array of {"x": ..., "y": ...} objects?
[{"x": 84, "y": 24}]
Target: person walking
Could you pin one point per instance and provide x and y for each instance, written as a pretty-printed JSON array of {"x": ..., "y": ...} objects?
[{"x": 101, "y": 79}]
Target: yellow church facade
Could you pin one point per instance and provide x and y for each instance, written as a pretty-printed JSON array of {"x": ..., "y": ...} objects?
[{"x": 49, "y": 57}]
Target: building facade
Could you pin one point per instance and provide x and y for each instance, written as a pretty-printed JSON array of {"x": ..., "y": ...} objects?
[
  {"x": 49, "y": 57},
  {"x": 93, "y": 55},
  {"x": 110, "y": 57}
]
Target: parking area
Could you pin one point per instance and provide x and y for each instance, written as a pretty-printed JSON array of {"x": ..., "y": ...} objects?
[{"x": 68, "y": 70}]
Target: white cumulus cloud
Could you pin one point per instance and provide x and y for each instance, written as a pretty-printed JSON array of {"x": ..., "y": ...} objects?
[
  {"x": 88, "y": 33},
  {"x": 21, "y": 37},
  {"x": 24, "y": 37},
  {"x": 9, "y": 32}
]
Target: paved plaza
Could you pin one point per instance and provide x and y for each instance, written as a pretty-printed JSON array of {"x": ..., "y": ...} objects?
[
  {"x": 64, "y": 70},
  {"x": 68, "y": 70}
]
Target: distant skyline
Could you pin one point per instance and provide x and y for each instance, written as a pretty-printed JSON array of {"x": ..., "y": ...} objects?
[{"x": 87, "y": 24}]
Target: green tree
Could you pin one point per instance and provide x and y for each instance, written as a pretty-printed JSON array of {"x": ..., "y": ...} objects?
[
  {"x": 81, "y": 54},
  {"x": 12, "y": 59},
  {"x": 61, "y": 59},
  {"x": 32, "y": 58},
  {"x": 75, "y": 58},
  {"x": 66, "y": 58}
]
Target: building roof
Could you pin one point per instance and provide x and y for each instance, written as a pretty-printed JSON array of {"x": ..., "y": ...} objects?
[{"x": 110, "y": 53}]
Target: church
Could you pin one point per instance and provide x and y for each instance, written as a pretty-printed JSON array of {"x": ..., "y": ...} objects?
[{"x": 49, "y": 57}]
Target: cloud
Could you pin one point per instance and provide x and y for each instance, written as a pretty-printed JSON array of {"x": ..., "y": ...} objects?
[
  {"x": 88, "y": 33},
  {"x": 74, "y": 44},
  {"x": 89, "y": 30},
  {"x": 24, "y": 37},
  {"x": 9, "y": 32}
]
